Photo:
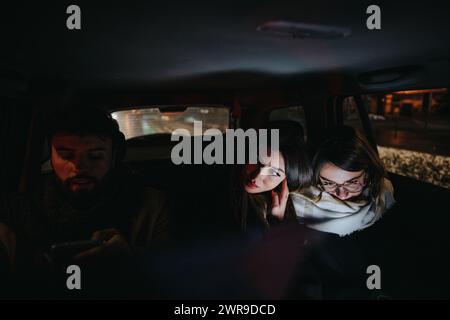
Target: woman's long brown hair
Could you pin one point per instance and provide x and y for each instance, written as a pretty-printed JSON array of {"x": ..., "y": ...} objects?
[{"x": 298, "y": 174}]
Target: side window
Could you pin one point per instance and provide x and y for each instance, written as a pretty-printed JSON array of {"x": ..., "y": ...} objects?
[
  {"x": 412, "y": 131},
  {"x": 351, "y": 115},
  {"x": 292, "y": 113}
]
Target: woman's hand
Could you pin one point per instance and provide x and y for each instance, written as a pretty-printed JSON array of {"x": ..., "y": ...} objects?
[
  {"x": 113, "y": 243},
  {"x": 279, "y": 201}
]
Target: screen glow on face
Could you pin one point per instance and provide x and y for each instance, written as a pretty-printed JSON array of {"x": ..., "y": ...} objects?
[
  {"x": 266, "y": 175},
  {"x": 341, "y": 183}
]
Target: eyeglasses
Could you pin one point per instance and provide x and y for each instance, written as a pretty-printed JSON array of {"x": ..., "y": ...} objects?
[{"x": 349, "y": 186}]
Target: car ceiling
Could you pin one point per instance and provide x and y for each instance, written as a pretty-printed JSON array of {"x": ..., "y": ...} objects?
[{"x": 146, "y": 43}]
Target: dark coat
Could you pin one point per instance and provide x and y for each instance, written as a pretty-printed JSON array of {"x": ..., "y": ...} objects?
[{"x": 45, "y": 217}]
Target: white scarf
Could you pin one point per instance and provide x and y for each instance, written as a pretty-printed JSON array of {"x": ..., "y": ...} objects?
[{"x": 321, "y": 211}]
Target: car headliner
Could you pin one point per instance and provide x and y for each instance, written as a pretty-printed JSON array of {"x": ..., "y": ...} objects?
[{"x": 187, "y": 44}]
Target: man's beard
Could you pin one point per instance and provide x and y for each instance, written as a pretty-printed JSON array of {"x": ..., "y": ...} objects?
[{"x": 84, "y": 198}]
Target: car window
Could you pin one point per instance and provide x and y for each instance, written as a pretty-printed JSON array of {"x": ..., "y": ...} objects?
[
  {"x": 351, "y": 115},
  {"x": 151, "y": 120},
  {"x": 412, "y": 130},
  {"x": 293, "y": 113}
]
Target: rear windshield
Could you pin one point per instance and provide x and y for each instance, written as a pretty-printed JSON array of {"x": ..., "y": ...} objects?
[{"x": 151, "y": 120}]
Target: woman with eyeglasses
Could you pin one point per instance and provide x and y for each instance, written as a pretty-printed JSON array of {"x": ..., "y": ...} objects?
[
  {"x": 261, "y": 191},
  {"x": 349, "y": 192},
  {"x": 350, "y": 189}
]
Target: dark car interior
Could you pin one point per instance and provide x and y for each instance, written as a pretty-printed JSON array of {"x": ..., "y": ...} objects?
[{"x": 227, "y": 54}]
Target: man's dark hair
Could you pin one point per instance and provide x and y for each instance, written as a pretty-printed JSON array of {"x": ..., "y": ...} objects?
[{"x": 83, "y": 121}]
